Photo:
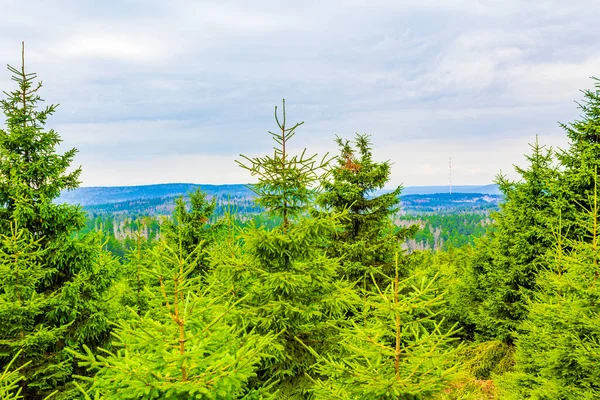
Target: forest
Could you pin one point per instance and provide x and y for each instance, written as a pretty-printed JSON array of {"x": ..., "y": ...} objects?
[{"x": 326, "y": 292}]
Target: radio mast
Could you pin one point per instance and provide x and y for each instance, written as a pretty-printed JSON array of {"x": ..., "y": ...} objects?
[{"x": 450, "y": 169}]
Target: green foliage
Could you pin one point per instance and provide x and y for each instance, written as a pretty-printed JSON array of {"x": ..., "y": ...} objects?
[
  {"x": 580, "y": 163},
  {"x": 505, "y": 265},
  {"x": 398, "y": 350},
  {"x": 33, "y": 173},
  {"x": 368, "y": 239},
  {"x": 289, "y": 281},
  {"x": 54, "y": 283},
  {"x": 190, "y": 225},
  {"x": 183, "y": 347},
  {"x": 306, "y": 300},
  {"x": 285, "y": 186},
  {"x": 445, "y": 231},
  {"x": 10, "y": 381},
  {"x": 559, "y": 347}
]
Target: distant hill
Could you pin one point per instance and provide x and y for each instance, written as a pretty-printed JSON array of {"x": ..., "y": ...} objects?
[
  {"x": 88, "y": 196},
  {"x": 485, "y": 189},
  {"x": 446, "y": 203},
  {"x": 160, "y": 199}
]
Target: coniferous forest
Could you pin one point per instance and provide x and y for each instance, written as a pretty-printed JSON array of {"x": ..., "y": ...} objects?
[{"x": 318, "y": 295}]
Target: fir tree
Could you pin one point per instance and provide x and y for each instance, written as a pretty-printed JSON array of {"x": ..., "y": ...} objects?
[
  {"x": 135, "y": 280},
  {"x": 399, "y": 351},
  {"x": 368, "y": 239},
  {"x": 579, "y": 162},
  {"x": 505, "y": 265},
  {"x": 192, "y": 224},
  {"x": 284, "y": 271},
  {"x": 60, "y": 296},
  {"x": 184, "y": 347},
  {"x": 558, "y": 349}
]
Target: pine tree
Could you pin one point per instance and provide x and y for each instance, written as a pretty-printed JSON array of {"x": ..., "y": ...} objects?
[
  {"x": 399, "y": 351},
  {"x": 558, "y": 349},
  {"x": 368, "y": 239},
  {"x": 284, "y": 271},
  {"x": 61, "y": 296}
]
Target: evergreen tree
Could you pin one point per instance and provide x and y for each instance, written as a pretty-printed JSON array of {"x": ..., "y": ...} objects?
[
  {"x": 191, "y": 224},
  {"x": 399, "y": 351},
  {"x": 559, "y": 348},
  {"x": 580, "y": 163},
  {"x": 184, "y": 347},
  {"x": 135, "y": 281},
  {"x": 60, "y": 297},
  {"x": 368, "y": 239},
  {"x": 505, "y": 265},
  {"x": 284, "y": 271}
]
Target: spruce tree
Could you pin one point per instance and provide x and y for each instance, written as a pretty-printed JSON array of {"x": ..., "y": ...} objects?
[
  {"x": 288, "y": 278},
  {"x": 184, "y": 346},
  {"x": 579, "y": 163},
  {"x": 558, "y": 349},
  {"x": 61, "y": 295},
  {"x": 399, "y": 351},
  {"x": 505, "y": 264},
  {"x": 368, "y": 239},
  {"x": 191, "y": 222}
]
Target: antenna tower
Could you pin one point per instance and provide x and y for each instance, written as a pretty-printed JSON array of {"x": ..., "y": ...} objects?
[{"x": 450, "y": 168}]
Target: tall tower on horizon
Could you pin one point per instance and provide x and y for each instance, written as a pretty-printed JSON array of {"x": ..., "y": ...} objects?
[{"x": 450, "y": 170}]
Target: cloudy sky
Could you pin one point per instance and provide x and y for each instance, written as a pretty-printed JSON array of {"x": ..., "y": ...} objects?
[{"x": 173, "y": 91}]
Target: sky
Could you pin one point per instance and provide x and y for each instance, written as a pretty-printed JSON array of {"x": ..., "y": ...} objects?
[{"x": 174, "y": 91}]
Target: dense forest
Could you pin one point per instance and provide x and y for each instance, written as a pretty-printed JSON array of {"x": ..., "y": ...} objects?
[{"x": 327, "y": 291}]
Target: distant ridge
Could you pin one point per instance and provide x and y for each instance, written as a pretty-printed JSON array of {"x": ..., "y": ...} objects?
[
  {"x": 485, "y": 189},
  {"x": 93, "y": 195}
]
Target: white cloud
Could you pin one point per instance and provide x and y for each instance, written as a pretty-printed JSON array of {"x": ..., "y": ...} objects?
[{"x": 110, "y": 46}]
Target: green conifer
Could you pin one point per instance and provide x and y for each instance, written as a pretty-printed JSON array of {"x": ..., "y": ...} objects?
[
  {"x": 558, "y": 349},
  {"x": 192, "y": 223},
  {"x": 288, "y": 278},
  {"x": 399, "y": 351},
  {"x": 368, "y": 239},
  {"x": 60, "y": 296},
  {"x": 505, "y": 265},
  {"x": 184, "y": 347},
  {"x": 579, "y": 163}
]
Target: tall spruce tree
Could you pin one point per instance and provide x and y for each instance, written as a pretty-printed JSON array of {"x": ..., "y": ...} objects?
[
  {"x": 289, "y": 280},
  {"x": 558, "y": 349},
  {"x": 59, "y": 299},
  {"x": 505, "y": 265},
  {"x": 191, "y": 224},
  {"x": 368, "y": 239},
  {"x": 580, "y": 163}
]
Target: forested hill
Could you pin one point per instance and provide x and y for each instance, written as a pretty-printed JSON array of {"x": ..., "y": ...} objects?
[
  {"x": 87, "y": 196},
  {"x": 160, "y": 199}
]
